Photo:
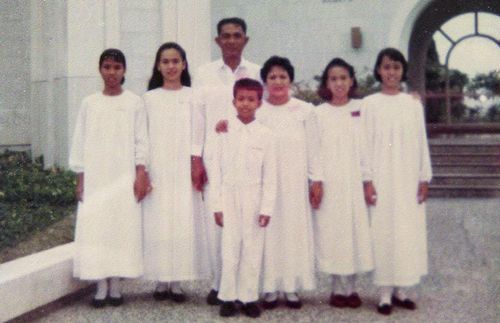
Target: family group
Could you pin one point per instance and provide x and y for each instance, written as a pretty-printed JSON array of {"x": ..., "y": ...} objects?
[{"x": 228, "y": 177}]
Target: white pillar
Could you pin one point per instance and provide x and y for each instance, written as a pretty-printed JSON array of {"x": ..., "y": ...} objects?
[
  {"x": 88, "y": 33},
  {"x": 187, "y": 22}
]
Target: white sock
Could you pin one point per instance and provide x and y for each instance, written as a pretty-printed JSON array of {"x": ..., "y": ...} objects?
[
  {"x": 349, "y": 283},
  {"x": 102, "y": 289},
  {"x": 175, "y": 287},
  {"x": 161, "y": 287},
  {"x": 336, "y": 285},
  {"x": 292, "y": 297},
  {"x": 385, "y": 293},
  {"x": 401, "y": 293},
  {"x": 271, "y": 297},
  {"x": 115, "y": 287}
]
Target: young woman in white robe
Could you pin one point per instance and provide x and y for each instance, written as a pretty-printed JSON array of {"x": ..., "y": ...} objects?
[
  {"x": 289, "y": 247},
  {"x": 396, "y": 179},
  {"x": 109, "y": 154},
  {"x": 341, "y": 227},
  {"x": 173, "y": 247}
]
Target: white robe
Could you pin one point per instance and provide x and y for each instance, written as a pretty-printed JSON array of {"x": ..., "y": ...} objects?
[
  {"x": 244, "y": 185},
  {"x": 396, "y": 160},
  {"x": 289, "y": 247},
  {"x": 341, "y": 227},
  {"x": 110, "y": 139},
  {"x": 173, "y": 244}
]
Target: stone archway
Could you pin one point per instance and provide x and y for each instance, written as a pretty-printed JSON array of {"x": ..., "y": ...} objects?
[{"x": 435, "y": 14}]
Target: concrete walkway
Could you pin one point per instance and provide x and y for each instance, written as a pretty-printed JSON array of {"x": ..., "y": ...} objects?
[{"x": 463, "y": 284}]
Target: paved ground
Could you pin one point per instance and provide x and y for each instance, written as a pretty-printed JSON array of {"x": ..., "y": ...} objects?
[{"x": 463, "y": 284}]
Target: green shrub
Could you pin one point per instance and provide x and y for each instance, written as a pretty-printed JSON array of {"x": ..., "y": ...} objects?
[{"x": 31, "y": 197}]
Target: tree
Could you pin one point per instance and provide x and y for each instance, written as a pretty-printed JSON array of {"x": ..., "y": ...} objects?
[{"x": 435, "y": 86}]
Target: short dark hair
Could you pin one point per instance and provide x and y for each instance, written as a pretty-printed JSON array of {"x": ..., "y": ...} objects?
[
  {"x": 394, "y": 55},
  {"x": 116, "y": 55},
  {"x": 233, "y": 20},
  {"x": 248, "y": 84},
  {"x": 156, "y": 79},
  {"x": 273, "y": 61},
  {"x": 323, "y": 90}
]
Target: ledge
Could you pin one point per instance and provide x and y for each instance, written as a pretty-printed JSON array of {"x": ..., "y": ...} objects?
[{"x": 36, "y": 280}]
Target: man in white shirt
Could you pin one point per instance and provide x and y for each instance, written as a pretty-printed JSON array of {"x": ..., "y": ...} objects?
[{"x": 213, "y": 83}]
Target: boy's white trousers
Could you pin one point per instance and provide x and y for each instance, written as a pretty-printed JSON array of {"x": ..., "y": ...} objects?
[{"x": 242, "y": 243}]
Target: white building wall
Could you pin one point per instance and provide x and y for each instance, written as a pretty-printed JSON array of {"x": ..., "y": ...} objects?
[
  {"x": 140, "y": 37},
  {"x": 66, "y": 39},
  {"x": 311, "y": 33},
  {"x": 14, "y": 72},
  {"x": 52, "y": 48}
]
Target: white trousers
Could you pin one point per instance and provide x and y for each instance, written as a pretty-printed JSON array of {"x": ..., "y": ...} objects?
[{"x": 242, "y": 244}]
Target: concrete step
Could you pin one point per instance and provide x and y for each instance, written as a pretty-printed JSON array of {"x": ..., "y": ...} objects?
[
  {"x": 464, "y": 158},
  {"x": 466, "y": 168},
  {"x": 464, "y": 191},
  {"x": 466, "y": 179},
  {"x": 484, "y": 147}
]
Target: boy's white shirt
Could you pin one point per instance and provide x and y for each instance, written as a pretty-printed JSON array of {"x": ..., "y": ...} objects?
[{"x": 245, "y": 156}]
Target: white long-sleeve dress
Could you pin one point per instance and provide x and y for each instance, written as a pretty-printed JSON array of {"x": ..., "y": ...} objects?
[
  {"x": 173, "y": 233},
  {"x": 289, "y": 247},
  {"x": 110, "y": 139},
  {"x": 397, "y": 159},
  {"x": 341, "y": 227}
]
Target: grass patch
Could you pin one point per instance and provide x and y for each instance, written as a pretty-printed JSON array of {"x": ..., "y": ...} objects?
[{"x": 31, "y": 198}]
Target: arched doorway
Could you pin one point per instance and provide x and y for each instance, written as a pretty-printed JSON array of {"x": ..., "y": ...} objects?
[{"x": 429, "y": 21}]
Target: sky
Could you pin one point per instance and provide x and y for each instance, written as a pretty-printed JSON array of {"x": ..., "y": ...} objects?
[{"x": 473, "y": 55}]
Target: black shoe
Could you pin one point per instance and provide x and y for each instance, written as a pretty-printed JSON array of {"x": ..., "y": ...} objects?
[
  {"x": 405, "y": 303},
  {"x": 384, "y": 309},
  {"x": 295, "y": 305},
  {"x": 227, "y": 309},
  {"x": 212, "y": 298},
  {"x": 251, "y": 309},
  {"x": 115, "y": 301},
  {"x": 161, "y": 296},
  {"x": 270, "y": 305},
  {"x": 98, "y": 303},
  {"x": 178, "y": 298}
]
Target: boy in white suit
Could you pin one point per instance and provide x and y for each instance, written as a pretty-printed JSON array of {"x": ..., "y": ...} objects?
[{"x": 244, "y": 184}]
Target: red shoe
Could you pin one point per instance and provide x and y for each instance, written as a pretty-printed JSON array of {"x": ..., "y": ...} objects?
[
  {"x": 353, "y": 300},
  {"x": 337, "y": 300}
]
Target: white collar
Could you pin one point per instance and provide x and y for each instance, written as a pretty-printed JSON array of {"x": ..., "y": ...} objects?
[
  {"x": 235, "y": 124},
  {"x": 223, "y": 66}
]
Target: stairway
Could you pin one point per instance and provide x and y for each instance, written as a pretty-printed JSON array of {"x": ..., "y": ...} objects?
[{"x": 465, "y": 166}]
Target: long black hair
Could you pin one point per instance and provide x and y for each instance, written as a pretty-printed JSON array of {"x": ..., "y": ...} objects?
[{"x": 156, "y": 79}]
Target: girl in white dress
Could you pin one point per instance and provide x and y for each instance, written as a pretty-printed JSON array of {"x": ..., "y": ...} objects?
[
  {"x": 172, "y": 236},
  {"x": 396, "y": 179},
  {"x": 109, "y": 154},
  {"x": 289, "y": 247},
  {"x": 341, "y": 227}
]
